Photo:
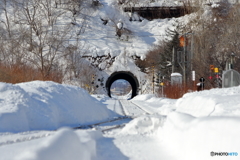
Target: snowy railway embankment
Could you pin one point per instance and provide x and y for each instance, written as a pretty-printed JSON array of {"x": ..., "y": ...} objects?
[{"x": 199, "y": 124}]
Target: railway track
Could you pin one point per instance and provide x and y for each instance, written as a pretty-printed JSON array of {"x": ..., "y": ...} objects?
[
  {"x": 133, "y": 110},
  {"x": 128, "y": 109}
]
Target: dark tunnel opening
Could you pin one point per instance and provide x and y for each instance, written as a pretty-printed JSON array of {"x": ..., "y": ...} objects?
[{"x": 128, "y": 76}]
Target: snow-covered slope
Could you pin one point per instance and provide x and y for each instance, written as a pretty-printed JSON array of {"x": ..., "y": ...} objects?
[
  {"x": 214, "y": 102},
  {"x": 102, "y": 39},
  {"x": 47, "y": 105},
  {"x": 139, "y": 38}
]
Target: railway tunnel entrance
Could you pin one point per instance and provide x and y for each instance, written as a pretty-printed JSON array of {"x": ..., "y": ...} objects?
[{"x": 125, "y": 75}]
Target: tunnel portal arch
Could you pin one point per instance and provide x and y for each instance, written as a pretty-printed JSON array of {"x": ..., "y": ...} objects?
[{"x": 128, "y": 76}]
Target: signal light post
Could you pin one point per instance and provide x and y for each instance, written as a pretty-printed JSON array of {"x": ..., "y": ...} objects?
[
  {"x": 211, "y": 67},
  {"x": 216, "y": 71},
  {"x": 162, "y": 85},
  {"x": 202, "y": 80}
]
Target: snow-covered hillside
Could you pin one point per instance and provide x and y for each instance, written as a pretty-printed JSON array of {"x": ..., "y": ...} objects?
[
  {"x": 78, "y": 32},
  {"x": 102, "y": 39},
  {"x": 141, "y": 36}
]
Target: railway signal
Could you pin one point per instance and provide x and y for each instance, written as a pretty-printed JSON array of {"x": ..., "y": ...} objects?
[{"x": 211, "y": 67}]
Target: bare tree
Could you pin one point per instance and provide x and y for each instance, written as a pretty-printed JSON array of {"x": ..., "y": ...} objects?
[
  {"x": 216, "y": 39},
  {"x": 78, "y": 68},
  {"x": 44, "y": 38},
  {"x": 11, "y": 40},
  {"x": 32, "y": 33}
]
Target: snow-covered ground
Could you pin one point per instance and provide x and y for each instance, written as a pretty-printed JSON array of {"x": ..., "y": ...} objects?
[{"x": 36, "y": 120}]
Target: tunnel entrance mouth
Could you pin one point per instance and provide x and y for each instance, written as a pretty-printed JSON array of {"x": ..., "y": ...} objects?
[{"x": 128, "y": 76}]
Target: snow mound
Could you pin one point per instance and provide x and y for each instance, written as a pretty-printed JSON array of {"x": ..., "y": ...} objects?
[
  {"x": 194, "y": 138},
  {"x": 64, "y": 145},
  {"x": 153, "y": 104},
  {"x": 143, "y": 125},
  {"x": 41, "y": 105},
  {"x": 214, "y": 102}
]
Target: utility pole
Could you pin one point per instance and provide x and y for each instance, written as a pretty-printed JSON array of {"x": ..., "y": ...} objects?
[
  {"x": 232, "y": 57},
  {"x": 187, "y": 58},
  {"x": 184, "y": 61},
  {"x": 192, "y": 50},
  {"x": 153, "y": 79},
  {"x": 173, "y": 60}
]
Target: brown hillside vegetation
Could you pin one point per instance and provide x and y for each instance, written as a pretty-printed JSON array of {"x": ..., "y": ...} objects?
[{"x": 23, "y": 73}]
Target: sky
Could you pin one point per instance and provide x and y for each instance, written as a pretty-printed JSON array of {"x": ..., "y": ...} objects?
[{"x": 37, "y": 120}]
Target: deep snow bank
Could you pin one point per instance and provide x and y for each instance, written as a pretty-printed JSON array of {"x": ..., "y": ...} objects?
[
  {"x": 41, "y": 105},
  {"x": 64, "y": 145},
  {"x": 204, "y": 122},
  {"x": 214, "y": 102},
  {"x": 195, "y": 125},
  {"x": 190, "y": 138}
]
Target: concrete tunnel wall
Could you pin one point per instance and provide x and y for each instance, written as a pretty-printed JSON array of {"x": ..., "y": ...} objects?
[{"x": 128, "y": 76}]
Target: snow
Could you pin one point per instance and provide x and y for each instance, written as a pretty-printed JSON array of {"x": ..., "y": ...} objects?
[
  {"x": 151, "y": 104},
  {"x": 120, "y": 24},
  {"x": 37, "y": 118},
  {"x": 215, "y": 102},
  {"x": 175, "y": 74},
  {"x": 64, "y": 145},
  {"x": 47, "y": 105},
  {"x": 79, "y": 144},
  {"x": 137, "y": 38},
  {"x": 197, "y": 137}
]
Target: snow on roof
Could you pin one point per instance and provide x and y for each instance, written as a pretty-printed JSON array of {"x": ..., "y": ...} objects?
[{"x": 175, "y": 74}]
